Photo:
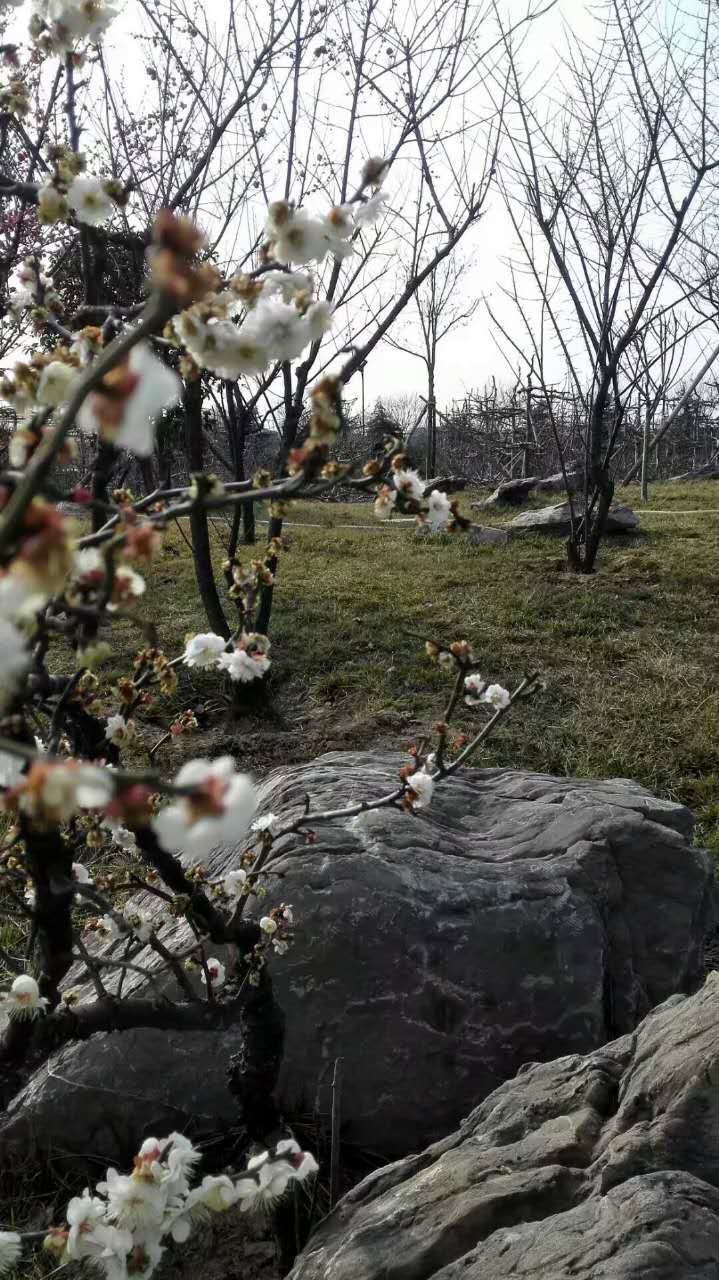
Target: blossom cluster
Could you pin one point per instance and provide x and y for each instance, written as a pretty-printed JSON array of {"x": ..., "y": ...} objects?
[
  {"x": 216, "y": 807},
  {"x": 58, "y": 26},
  {"x": 122, "y": 1227},
  {"x": 23, "y": 1000},
  {"x": 476, "y": 691},
  {"x": 406, "y": 493},
  {"x": 245, "y": 660},
  {"x": 123, "y": 410}
]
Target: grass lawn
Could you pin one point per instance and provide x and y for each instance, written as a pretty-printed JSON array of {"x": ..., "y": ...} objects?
[{"x": 628, "y": 655}]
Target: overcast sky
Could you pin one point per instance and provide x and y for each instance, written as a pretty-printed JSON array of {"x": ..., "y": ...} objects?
[{"x": 469, "y": 356}]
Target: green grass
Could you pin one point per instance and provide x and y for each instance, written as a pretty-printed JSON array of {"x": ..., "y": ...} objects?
[{"x": 628, "y": 655}]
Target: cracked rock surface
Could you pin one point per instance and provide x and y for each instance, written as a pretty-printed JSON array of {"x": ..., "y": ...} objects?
[
  {"x": 520, "y": 918},
  {"x": 601, "y": 1167}
]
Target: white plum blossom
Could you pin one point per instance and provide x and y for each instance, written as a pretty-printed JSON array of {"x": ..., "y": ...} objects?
[
  {"x": 214, "y": 1195},
  {"x": 93, "y": 785},
  {"x": 89, "y": 200},
  {"x": 140, "y": 922},
  {"x": 87, "y": 561},
  {"x": 109, "y": 928},
  {"x": 473, "y": 687},
  {"x": 409, "y": 482},
  {"x": 365, "y": 215},
  {"x": 221, "y": 346},
  {"x": 274, "y": 1173},
  {"x": 120, "y": 1227},
  {"x": 267, "y": 822},
  {"x": 385, "y": 502},
  {"x": 90, "y": 1234},
  {"x": 286, "y": 283},
  {"x": 303, "y": 1163},
  {"x": 121, "y": 836},
  {"x": 319, "y": 319},
  {"x": 218, "y": 809},
  {"x": 19, "y": 597},
  {"x": 203, "y": 650},
  {"x": 120, "y": 731},
  {"x": 496, "y": 696},
  {"x": 56, "y": 383},
  {"x": 81, "y": 873},
  {"x": 421, "y": 787},
  {"x": 243, "y": 666},
  {"x": 180, "y": 1156},
  {"x": 151, "y": 388},
  {"x": 340, "y": 226},
  {"x": 23, "y": 1000},
  {"x": 15, "y": 660},
  {"x": 52, "y": 793},
  {"x": 273, "y": 1177},
  {"x": 235, "y": 883},
  {"x": 280, "y": 328},
  {"x": 29, "y": 286},
  {"x": 10, "y": 1250},
  {"x": 51, "y": 203},
  {"x": 72, "y": 20},
  {"x": 296, "y": 235},
  {"x": 135, "y": 1201},
  {"x": 439, "y": 511},
  {"x": 128, "y": 586},
  {"x": 268, "y": 925},
  {"x": 216, "y": 972}
]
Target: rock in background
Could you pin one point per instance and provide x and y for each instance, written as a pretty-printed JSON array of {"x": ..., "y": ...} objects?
[{"x": 557, "y": 519}]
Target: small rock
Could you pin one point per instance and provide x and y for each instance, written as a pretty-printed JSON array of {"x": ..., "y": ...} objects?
[
  {"x": 481, "y": 535},
  {"x": 704, "y": 473}
]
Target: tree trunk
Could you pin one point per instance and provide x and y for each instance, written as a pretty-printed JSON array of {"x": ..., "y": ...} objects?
[
  {"x": 199, "y": 529},
  {"x": 104, "y": 462},
  {"x": 237, "y": 418},
  {"x": 431, "y": 425},
  {"x": 147, "y": 471},
  {"x": 644, "y": 491},
  {"x": 289, "y": 435}
]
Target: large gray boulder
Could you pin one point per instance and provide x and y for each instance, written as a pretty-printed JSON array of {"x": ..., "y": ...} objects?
[
  {"x": 98, "y": 1099},
  {"x": 603, "y": 1167},
  {"x": 557, "y": 519},
  {"x": 522, "y": 916}
]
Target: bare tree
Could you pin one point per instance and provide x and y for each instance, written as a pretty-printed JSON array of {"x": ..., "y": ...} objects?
[
  {"x": 658, "y": 355},
  {"x": 608, "y": 189},
  {"x": 440, "y": 308}
]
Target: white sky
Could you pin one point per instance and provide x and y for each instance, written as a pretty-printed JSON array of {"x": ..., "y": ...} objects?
[{"x": 469, "y": 357}]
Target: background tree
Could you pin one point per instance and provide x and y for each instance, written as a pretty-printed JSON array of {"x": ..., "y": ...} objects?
[
  {"x": 611, "y": 185},
  {"x": 440, "y": 308}
]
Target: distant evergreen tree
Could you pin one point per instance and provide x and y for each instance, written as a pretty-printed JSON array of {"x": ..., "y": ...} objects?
[{"x": 380, "y": 424}]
